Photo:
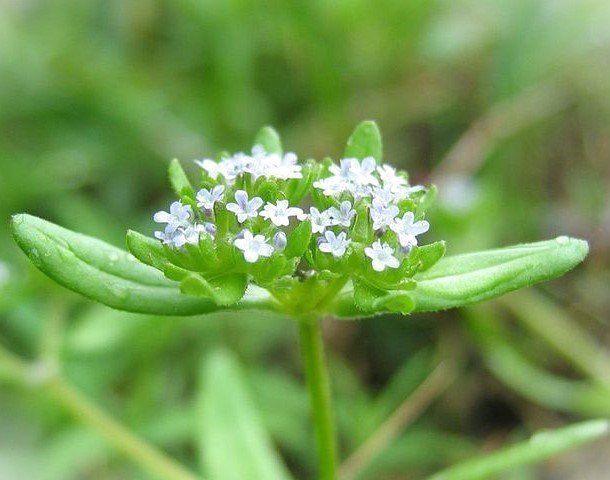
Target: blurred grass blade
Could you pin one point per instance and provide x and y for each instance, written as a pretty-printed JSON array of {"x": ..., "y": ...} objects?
[
  {"x": 110, "y": 275},
  {"x": 460, "y": 280},
  {"x": 233, "y": 442},
  {"x": 464, "y": 279},
  {"x": 541, "y": 446},
  {"x": 520, "y": 374},
  {"x": 555, "y": 326}
]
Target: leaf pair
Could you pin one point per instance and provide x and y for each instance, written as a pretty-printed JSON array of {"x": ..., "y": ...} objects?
[{"x": 112, "y": 276}]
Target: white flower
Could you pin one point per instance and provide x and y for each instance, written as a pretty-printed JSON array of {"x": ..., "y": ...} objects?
[
  {"x": 244, "y": 208},
  {"x": 343, "y": 215},
  {"x": 207, "y": 198},
  {"x": 359, "y": 191},
  {"x": 229, "y": 167},
  {"x": 253, "y": 246},
  {"x": 181, "y": 236},
  {"x": 344, "y": 169},
  {"x": 263, "y": 164},
  {"x": 335, "y": 244},
  {"x": 280, "y": 213},
  {"x": 332, "y": 186},
  {"x": 232, "y": 167},
  {"x": 381, "y": 214},
  {"x": 384, "y": 195},
  {"x": 258, "y": 164},
  {"x": 382, "y": 256},
  {"x": 407, "y": 229},
  {"x": 389, "y": 178},
  {"x": 210, "y": 166},
  {"x": 179, "y": 216},
  {"x": 288, "y": 167},
  {"x": 361, "y": 173},
  {"x": 319, "y": 220}
]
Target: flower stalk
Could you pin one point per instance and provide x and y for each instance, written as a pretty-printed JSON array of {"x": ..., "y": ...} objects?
[{"x": 316, "y": 375}]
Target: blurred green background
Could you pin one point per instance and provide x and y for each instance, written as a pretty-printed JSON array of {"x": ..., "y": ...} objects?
[{"x": 505, "y": 105}]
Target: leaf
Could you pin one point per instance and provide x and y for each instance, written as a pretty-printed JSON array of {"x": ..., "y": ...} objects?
[
  {"x": 146, "y": 249},
  {"x": 428, "y": 255},
  {"x": 364, "y": 142},
  {"x": 269, "y": 139},
  {"x": 541, "y": 446},
  {"x": 298, "y": 240},
  {"x": 461, "y": 280},
  {"x": 110, "y": 275},
  {"x": 234, "y": 444},
  {"x": 370, "y": 299},
  {"x": 178, "y": 180},
  {"x": 464, "y": 279},
  {"x": 225, "y": 290}
]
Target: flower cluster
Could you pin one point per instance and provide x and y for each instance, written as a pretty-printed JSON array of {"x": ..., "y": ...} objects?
[
  {"x": 274, "y": 221},
  {"x": 380, "y": 187}
]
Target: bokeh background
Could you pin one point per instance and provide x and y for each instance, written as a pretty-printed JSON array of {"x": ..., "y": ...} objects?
[{"x": 504, "y": 105}]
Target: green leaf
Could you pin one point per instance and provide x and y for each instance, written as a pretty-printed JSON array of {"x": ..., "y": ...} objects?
[
  {"x": 225, "y": 290},
  {"x": 110, "y": 275},
  {"x": 364, "y": 142},
  {"x": 541, "y": 446},
  {"x": 146, "y": 249},
  {"x": 234, "y": 444},
  {"x": 464, "y": 279},
  {"x": 178, "y": 180},
  {"x": 298, "y": 240},
  {"x": 427, "y": 255},
  {"x": 374, "y": 300},
  {"x": 461, "y": 280},
  {"x": 269, "y": 139}
]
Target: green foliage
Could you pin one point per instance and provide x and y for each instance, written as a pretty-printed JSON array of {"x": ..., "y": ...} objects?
[
  {"x": 269, "y": 139},
  {"x": 464, "y": 279},
  {"x": 110, "y": 275},
  {"x": 179, "y": 181},
  {"x": 364, "y": 142}
]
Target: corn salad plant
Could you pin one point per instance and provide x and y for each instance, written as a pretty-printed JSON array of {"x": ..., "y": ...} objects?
[{"x": 263, "y": 231}]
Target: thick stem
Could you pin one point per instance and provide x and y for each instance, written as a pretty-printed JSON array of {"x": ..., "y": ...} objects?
[
  {"x": 148, "y": 457},
  {"x": 316, "y": 374}
]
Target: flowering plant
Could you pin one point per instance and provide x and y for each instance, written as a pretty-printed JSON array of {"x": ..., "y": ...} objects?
[{"x": 263, "y": 231}]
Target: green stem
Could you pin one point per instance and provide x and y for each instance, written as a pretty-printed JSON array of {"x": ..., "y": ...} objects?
[
  {"x": 148, "y": 457},
  {"x": 316, "y": 374}
]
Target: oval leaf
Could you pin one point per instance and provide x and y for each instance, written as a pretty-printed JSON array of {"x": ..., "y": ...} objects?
[
  {"x": 364, "y": 142},
  {"x": 269, "y": 139},
  {"x": 461, "y": 280},
  {"x": 178, "y": 180},
  {"x": 464, "y": 279},
  {"x": 146, "y": 249},
  {"x": 110, "y": 275}
]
